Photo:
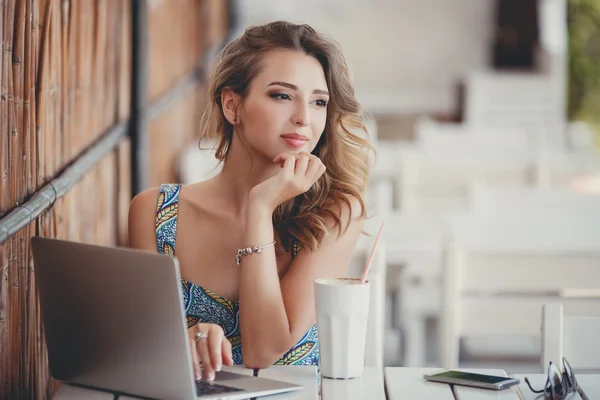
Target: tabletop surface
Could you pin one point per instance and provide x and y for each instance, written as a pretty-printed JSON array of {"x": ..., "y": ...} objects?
[
  {"x": 369, "y": 386},
  {"x": 400, "y": 381}
]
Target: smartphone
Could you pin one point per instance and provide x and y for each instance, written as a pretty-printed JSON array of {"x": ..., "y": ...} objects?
[{"x": 473, "y": 380}]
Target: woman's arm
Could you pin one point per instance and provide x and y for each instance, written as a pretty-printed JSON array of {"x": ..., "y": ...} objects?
[
  {"x": 213, "y": 352},
  {"x": 275, "y": 315},
  {"x": 141, "y": 224}
]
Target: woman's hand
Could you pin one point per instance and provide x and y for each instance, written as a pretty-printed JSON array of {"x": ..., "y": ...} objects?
[
  {"x": 210, "y": 350},
  {"x": 298, "y": 173}
]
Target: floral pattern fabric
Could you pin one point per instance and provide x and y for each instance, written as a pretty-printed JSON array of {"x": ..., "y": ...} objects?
[{"x": 203, "y": 305}]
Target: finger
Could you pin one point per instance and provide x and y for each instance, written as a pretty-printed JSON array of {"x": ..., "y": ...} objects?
[
  {"x": 289, "y": 165},
  {"x": 226, "y": 351},
  {"x": 313, "y": 167},
  {"x": 209, "y": 372},
  {"x": 284, "y": 156},
  {"x": 322, "y": 169},
  {"x": 196, "y": 363},
  {"x": 215, "y": 343},
  {"x": 281, "y": 157},
  {"x": 301, "y": 165}
]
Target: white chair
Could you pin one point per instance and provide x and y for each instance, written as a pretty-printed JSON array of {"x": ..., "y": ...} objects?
[
  {"x": 500, "y": 269},
  {"x": 385, "y": 168},
  {"x": 567, "y": 167},
  {"x": 440, "y": 183},
  {"x": 513, "y": 99},
  {"x": 570, "y": 336},
  {"x": 380, "y": 196},
  {"x": 413, "y": 251},
  {"x": 492, "y": 198},
  {"x": 374, "y": 349},
  {"x": 437, "y": 137}
]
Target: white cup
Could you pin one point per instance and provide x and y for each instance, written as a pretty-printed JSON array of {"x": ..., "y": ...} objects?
[{"x": 342, "y": 306}]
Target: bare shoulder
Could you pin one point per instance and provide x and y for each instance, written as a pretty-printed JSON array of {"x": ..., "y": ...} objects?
[
  {"x": 350, "y": 217},
  {"x": 200, "y": 198},
  {"x": 141, "y": 219},
  {"x": 144, "y": 202},
  {"x": 143, "y": 209},
  {"x": 350, "y": 209}
]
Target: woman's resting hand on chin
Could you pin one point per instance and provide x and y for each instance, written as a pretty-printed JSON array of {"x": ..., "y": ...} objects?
[{"x": 298, "y": 173}]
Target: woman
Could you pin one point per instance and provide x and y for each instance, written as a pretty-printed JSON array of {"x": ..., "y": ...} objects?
[{"x": 282, "y": 107}]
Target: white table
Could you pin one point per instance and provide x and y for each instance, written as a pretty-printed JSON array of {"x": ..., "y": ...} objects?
[
  {"x": 68, "y": 392},
  {"x": 400, "y": 382},
  {"x": 369, "y": 386},
  {"x": 404, "y": 383},
  {"x": 590, "y": 383}
]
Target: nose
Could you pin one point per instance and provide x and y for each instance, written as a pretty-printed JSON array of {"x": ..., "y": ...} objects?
[{"x": 301, "y": 115}]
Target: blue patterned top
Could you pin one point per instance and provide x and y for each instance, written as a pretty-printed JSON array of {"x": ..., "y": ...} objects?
[{"x": 203, "y": 305}]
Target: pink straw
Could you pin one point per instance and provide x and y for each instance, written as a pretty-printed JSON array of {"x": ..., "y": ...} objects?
[{"x": 368, "y": 266}]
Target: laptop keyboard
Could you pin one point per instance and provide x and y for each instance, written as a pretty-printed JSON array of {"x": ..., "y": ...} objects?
[{"x": 204, "y": 388}]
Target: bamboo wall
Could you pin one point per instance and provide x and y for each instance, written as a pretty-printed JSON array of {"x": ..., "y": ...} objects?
[
  {"x": 180, "y": 34},
  {"x": 65, "y": 79}
]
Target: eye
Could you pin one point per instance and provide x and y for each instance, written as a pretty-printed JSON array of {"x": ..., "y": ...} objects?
[
  {"x": 280, "y": 96},
  {"x": 321, "y": 103}
]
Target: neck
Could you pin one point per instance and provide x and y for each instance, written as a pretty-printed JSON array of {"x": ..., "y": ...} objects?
[{"x": 240, "y": 173}]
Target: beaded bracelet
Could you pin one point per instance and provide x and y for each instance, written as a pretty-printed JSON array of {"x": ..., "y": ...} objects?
[{"x": 250, "y": 250}]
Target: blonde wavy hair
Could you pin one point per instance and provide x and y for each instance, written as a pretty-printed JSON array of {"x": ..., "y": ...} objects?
[{"x": 347, "y": 155}]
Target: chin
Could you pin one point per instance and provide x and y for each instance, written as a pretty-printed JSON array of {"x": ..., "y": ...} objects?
[{"x": 295, "y": 150}]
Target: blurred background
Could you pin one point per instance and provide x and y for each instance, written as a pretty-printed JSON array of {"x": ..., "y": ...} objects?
[{"x": 485, "y": 115}]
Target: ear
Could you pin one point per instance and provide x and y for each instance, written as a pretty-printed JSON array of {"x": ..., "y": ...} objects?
[{"x": 230, "y": 102}]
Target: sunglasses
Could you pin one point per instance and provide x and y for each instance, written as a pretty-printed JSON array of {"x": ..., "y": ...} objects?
[{"x": 559, "y": 384}]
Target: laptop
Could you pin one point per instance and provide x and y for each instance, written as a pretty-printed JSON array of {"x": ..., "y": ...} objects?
[{"x": 114, "y": 321}]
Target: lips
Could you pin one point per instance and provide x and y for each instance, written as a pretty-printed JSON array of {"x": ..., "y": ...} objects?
[{"x": 294, "y": 140}]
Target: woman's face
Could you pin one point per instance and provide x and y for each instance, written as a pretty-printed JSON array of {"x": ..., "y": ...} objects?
[{"x": 286, "y": 106}]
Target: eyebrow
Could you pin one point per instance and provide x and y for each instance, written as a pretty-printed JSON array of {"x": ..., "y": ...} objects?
[{"x": 294, "y": 87}]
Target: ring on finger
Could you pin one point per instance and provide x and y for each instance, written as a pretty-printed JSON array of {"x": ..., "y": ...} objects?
[{"x": 199, "y": 336}]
